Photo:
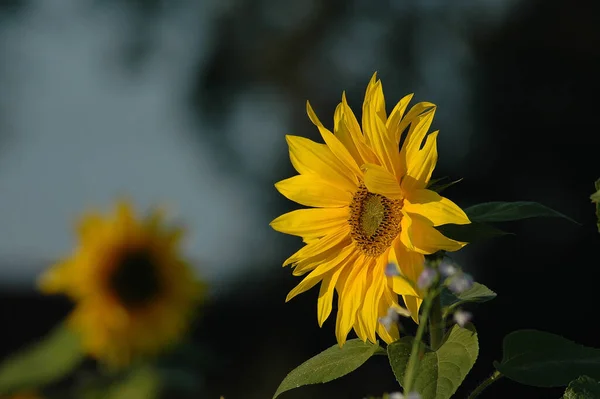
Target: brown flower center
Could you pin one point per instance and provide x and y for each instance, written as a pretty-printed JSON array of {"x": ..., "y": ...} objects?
[
  {"x": 135, "y": 280},
  {"x": 374, "y": 221}
]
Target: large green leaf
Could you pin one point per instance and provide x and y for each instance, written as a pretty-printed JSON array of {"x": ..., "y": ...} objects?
[
  {"x": 508, "y": 211},
  {"x": 440, "y": 372},
  {"x": 328, "y": 365},
  {"x": 477, "y": 293},
  {"x": 44, "y": 362},
  {"x": 583, "y": 387},
  {"x": 470, "y": 232},
  {"x": 543, "y": 359}
]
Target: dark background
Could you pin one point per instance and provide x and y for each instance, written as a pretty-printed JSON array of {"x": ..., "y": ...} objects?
[{"x": 517, "y": 116}]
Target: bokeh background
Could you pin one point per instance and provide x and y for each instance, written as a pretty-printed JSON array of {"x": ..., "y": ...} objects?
[{"x": 186, "y": 103}]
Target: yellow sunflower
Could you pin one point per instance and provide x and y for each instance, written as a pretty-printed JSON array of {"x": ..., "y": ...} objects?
[
  {"x": 134, "y": 292},
  {"x": 371, "y": 208}
]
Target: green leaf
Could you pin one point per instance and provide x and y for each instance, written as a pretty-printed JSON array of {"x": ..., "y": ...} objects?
[
  {"x": 477, "y": 293},
  {"x": 141, "y": 382},
  {"x": 44, "y": 362},
  {"x": 596, "y": 199},
  {"x": 543, "y": 359},
  {"x": 583, "y": 387},
  {"x": 440, "y": 372},
  {"x": 328, "y": 365},
  {"x": 438, "y": 185},
  {"x": 470, "y": 232},
  {"x": 509, "y": 211}
]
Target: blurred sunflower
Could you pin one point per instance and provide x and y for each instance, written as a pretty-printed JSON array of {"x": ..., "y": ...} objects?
[
  {"x": 371, "y": 207},
  {"x": 134, "y": 292}
]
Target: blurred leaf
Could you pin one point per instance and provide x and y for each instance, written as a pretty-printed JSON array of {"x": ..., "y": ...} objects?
[
  {"x": 509, "y": 211},
  {"x": 142, "y": 382},
  {"x": 596, "y": 199},
  {"x": 477, "y": 293},
  {"x": 543, "y": 359},
  {"x": 440, "y": 372},
  {"x": 438, "y": 185},
  {"x": 43, "y": 362},
  {"x": 328, "y": 365},
  {"x": 583, "y": 387},
  {"x": 470, "y": 232}
]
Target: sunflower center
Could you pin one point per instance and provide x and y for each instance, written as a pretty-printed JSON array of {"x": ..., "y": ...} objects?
[
  {"x": 374, "y": 221},
  {"x": 135, "y": 280}
]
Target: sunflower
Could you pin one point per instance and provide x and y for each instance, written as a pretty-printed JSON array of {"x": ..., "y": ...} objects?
[
  {"x": 371, "y": 207},
  {"x": 134, "y": 292}
]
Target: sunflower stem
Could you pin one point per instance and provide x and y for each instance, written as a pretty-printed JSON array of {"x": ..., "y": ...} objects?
[
  {"x": 436, "y": 323},
  {"x": 486, "y": 383},
  {"x": 413, "y": 360}
]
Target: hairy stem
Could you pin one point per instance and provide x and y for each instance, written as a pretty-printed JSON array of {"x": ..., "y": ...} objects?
[
  {"x": 436, "y": 323},
  {"x": 413, "y": 360}
]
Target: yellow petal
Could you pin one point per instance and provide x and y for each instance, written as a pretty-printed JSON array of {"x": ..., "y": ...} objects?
[
  {"x": 311, "y": 190},
  {"x": 319, "y": 245},
  {"x": 420, "y": 165},
  {"x": 411, "y": 265},
  {"x": 336, "y": 146},
  {"x": 316, "y": 222},
  {"x": 439, "y": 210},
  {"x": 320, "y": 272},
  {"x": 425, "y": 239},
  {"x": 312, "y": 158},
  {"x": 380, "y": 181},
  {"x": 326, "y": 295},
  {"x": 56, "y": 278},
  {"x": 413, "y": 304},
  {"x": 305, "y": 265},
  {"x": 419, "y": 117},
  {"x": 350, "y": 295},
  {"x": 341, "y": 131},
  {"x": 370, "y": 305},
  {"x": 383, "y": 144},
  {"x": 351, "y": 123},
  {"x": 365, "y": 125},
  {"x": 393, "y": 122},
  {"x": 388, "y": 336}
]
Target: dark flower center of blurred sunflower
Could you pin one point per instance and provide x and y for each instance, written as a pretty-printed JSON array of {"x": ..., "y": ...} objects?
[{"x": 135, "y": 280}]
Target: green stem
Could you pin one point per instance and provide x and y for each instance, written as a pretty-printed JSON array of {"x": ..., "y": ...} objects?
[
  {"x": 436, "y": 324},
  {"x": 413, "y": 360},
  {"x": 486, "y": 383}
]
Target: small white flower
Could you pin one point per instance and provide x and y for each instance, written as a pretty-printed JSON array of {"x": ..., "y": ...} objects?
[
  {"x": 426, "y": 278},
  {"x": 392, "y": 315},
  {"x": 462, "y": 317},
  {"x": 460, "y": 283},
  {"x": 391, "y": 270},
  {"x": 447, "y": 269},
  {"x": 395, "y": 395}
]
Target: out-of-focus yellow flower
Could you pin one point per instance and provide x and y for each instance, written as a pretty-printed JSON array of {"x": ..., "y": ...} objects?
[
  {"x": 134, "y": 292},
  {"x": 370, "y": 207}
]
